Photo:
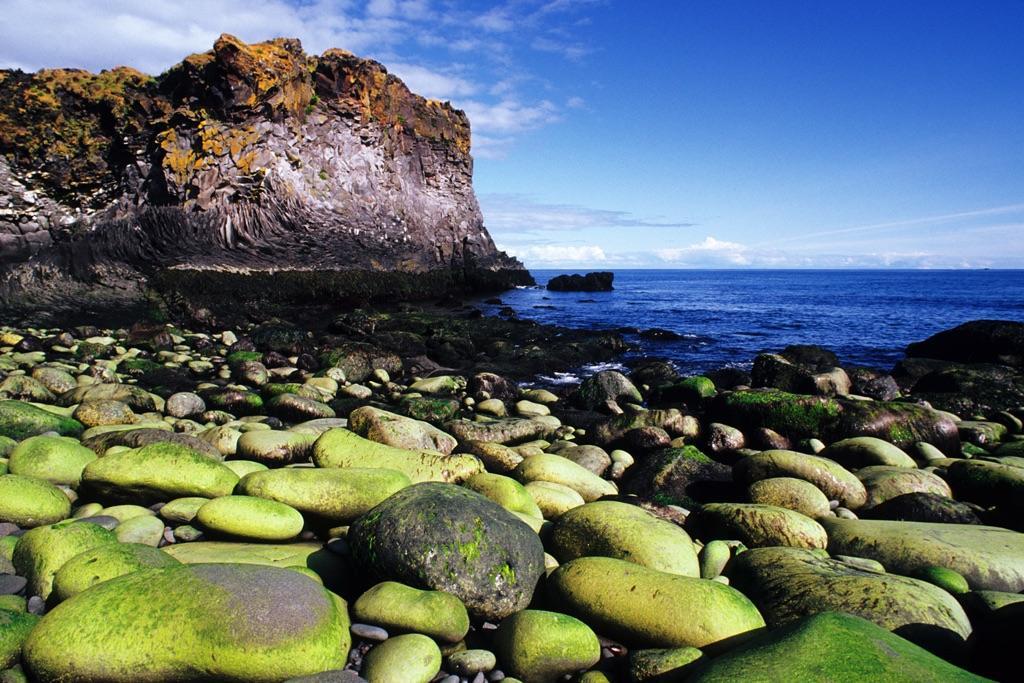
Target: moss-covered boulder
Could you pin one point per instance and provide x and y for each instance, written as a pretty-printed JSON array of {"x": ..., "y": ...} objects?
[
  {"x": 42, "y": 552},
  {"x": 412, "y": 658},
  {"x": 294, "y": 408},
  {"x": 663, "y": 665},
  {"x": 864, "y": 451},
  {"x": 19, "y": 420},
  {"x": 831, "y": 478},
  {"x": 788, "y": 584},
  {"x": 509, "y": 431},
  {"x": 57, "y": 459},
  {"x": 830, "y": 647},
  {"x": 274, "y": 447},
  {"x": 505, "y": 491},
  {"x": 135, "y": 397},
  {"x": 343, "y": 448},
  {"x": 14, "y": 629},
  {"x": 680, "y": 476},
  {"x": 192, "y": 623},
  {"x": 399, "y": 431},
  {"x": 541, "y": 646},
  {"x": 990, "y": 558},
  {"x": 626, "y": 532},
  {"x": 799, "y": 416},
  {"x": 182, "y": 510},
  {"x": 338, "y": 496},
  {"x": 155, "y": 473},
  {"x": 403, "y": 609},
  {"x": 555, "y": 468},
  {"x": 445, "y": 537},
  {"x": 105, "y": 562},
  {"x": 604, "y": 386},
  {"x": 756, "y": 525},
  {"x": 648, "y": 608},
  {"x": 987, "y": 483},
  {"x": 325, "y": 563},
  {"x": 883, "y": 482},
  {"x": 552, "y": 499},
  {"x": 146, "y": 529},
  {"x": 250, "y": 518},
  {"x": 790, "y": 493},
  {"x": 30, "y": 502}
]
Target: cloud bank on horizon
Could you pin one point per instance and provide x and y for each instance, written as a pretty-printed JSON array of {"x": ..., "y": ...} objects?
[{"x": 670, "y": 135}]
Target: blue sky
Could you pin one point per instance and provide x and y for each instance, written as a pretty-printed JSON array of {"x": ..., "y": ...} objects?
[{"x": 666, "y": 134}]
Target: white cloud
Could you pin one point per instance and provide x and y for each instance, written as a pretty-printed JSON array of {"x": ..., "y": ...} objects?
[
  {"x": 558, "y": 254},
  {"x": 507, "y": 213},
  {"x": 509, "y": 115},
  {"x": 576, "y": 103},
  {"x": 709, "y": 250},
  {"x": 424, "y": 81},
  {"x": 497, "y": 20}
]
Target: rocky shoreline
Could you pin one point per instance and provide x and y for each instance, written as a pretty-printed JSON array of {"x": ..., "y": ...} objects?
[{"x": 376, "y": 495}]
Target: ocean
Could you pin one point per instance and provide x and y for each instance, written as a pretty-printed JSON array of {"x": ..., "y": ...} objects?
[{"x": 726, "y": 317}]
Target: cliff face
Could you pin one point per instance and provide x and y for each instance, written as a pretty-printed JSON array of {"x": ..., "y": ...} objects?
[{"x": 237, "y": 163}]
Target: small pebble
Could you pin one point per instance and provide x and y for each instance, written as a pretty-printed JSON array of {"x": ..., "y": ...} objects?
[
  {"x": 11, "y": 584},
  {"x": 368, "y": 632},
  {"x": 36, "y": 605}
]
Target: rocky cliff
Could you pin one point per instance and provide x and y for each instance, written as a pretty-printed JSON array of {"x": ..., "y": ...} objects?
[{"x": 248, "y": 171}]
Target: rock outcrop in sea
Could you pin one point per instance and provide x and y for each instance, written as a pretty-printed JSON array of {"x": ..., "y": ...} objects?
[{"x": 250, "y": 171}]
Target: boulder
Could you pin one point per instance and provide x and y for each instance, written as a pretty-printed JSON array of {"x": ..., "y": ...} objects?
[
  {"x": 19, "y": 420},
  {"x": 250, "y": 518},
  {"x": 790, "y": 493},
  {"x": 403, "y": 609},
  {"x": 977, "y": 341},
  {"x": 105, "y": 562},
  {"x": 756, "y": 525},
  {"x": 599, "y": 281},
  {"x": 14, "y": 629},
  {"x": 337, "y": 496},
  {"x": 830, "y": 477},
  {"x": 788, "y": 584},
  {"x": 343, "y": 448},
  {"x": 541, "y": 646},
  {"x": 864, "y": 451},
  {"x": 923, "y": 507},
  {"x": 680, "y": 476},
  {"x": 157, "y": 472},
  {"x": 827, "y": 647},
  {"x": 30, "y": 502},
  {"x": 192, "y": 623},
  {"x": 559, "y": 470},
  {"x": 649, "y": 608},
  {"x": 41, "y": 552},
  {"x": 399, "y": 431},
  {"x": 882, "y": 483},
  {"x": 57, "y": 459},
  {"x": 988, "y": 557},
  {"x": 412, "y": 658},
  {"x": 444, "y": 537},
  {"x": 608, "y": 385},
  {"x": 626, "y": 532}
]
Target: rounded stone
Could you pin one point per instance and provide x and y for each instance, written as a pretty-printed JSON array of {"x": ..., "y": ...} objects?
[
  {"x": 628, "y": 602},
  {"x": 864, "y": 451},
  {"x": 250, "y": 518},
  {"x": 471, "y": 662},
  {"x": 14, "y": 630},
  {"x": 182, "y": 510},
  {"x": 505, "y": 491},
  {"x": 445, "y": 537},
  {"x": 554, "y": 468},
  {"x": 412, "y": 658},
  {"x": 790, "y": 493},
  {"x": 190, "y": 623},
  {"x": 663, "y": 665},
  {"x": 103, "y": 563},
  {"x": 756, "y": 525},
  {"x": 626, "y": 532},
  {"x": 57, "y": 459},
  {"x": 542, "y": 646},
  {"x": 100, "y": 412},
  {"x": 184, "y": 404},
  {"x": 831, "y": 478},
  {"x": 339, "y": 496},
  {"x": 944, "y": 578},
  {"x": 404, "y": 609},
  {"x": 552, "y": 499},
  {"x": 43, "y": 551},
  {"x": 146, "y": 530},
  {"x": 30, "y": 502}
]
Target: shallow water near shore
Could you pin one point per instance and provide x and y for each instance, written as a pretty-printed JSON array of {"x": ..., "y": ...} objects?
[{"x": 725, "y": 317}]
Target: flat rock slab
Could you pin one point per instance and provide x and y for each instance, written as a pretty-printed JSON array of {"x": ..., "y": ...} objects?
[{"x": 990, "y": 558}]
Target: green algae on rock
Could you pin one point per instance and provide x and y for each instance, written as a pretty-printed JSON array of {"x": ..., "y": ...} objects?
[
  {"x": 788, "y": 584},
  {"x": 342, "y": 448},
  {"x": 542, "y": 646},
  {"x": 41, "y": 552},
  {"x": 412, "y": 658},
  {"x": 988, "y": 557},
  {"x": 14, "y": 630},
  {"x": 336, "y": 495},
  {"x": 57, "y": 459},
  {"x": 648, "y": 608},
  {"x": 403, "y": 609},
  {"x": 505, "y": 491},
  {"x": 829, "y": 647},
  {"x": 157, "y": 472},
  {"x": 834, "y": 480},
  {"x": 30, "y": 502},
  {"x": 105, "y": 562},
  {"x": 192, "y": 623},
  {"x": 445, "y": 537},
  {"x": 250, "y": 518},
  {"x": 559, "y": 470},
  {"x": 790, "y": 493},
  {"x": 626, "y": 532},
  {"x": 756, "y": 525},
  {"x": 19, "y": 420}
]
